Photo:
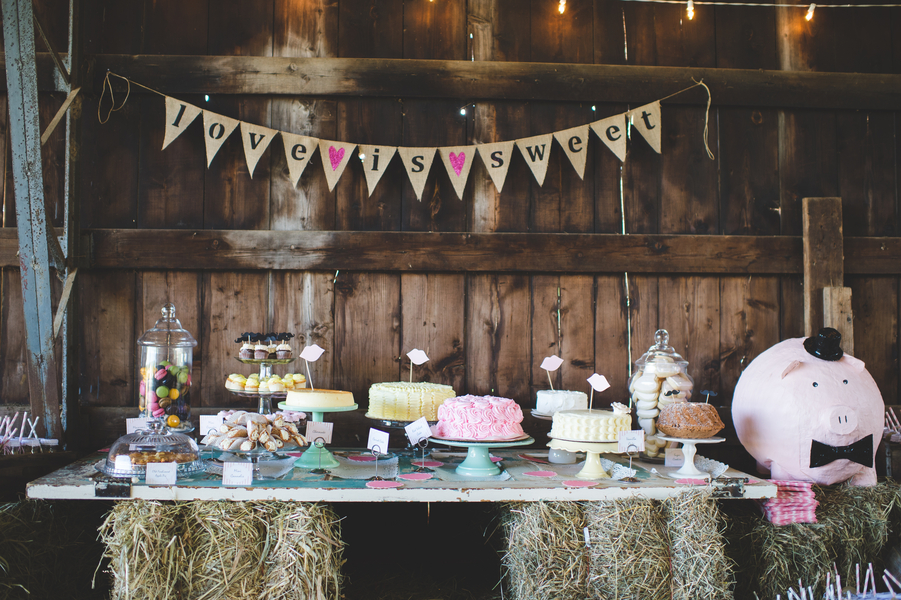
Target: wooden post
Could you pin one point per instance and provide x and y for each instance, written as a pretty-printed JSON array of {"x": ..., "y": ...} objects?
[{"x": 837, "y": 314}]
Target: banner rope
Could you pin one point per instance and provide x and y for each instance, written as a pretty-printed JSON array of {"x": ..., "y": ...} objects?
[
  {"x": 706, "y": 112},
  {"x": 108, "y": 85}
]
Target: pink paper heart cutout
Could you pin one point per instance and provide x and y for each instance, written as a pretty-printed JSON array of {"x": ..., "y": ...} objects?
[
  {"x": 335, "y": 156},
  {"x": 457, "y": 161}
]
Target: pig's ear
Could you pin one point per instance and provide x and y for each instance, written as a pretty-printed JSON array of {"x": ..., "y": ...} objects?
[
  {"x": 791, "y": 367},
  {"x": 856, "y": 363}
]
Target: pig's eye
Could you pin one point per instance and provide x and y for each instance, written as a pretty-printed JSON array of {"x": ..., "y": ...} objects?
[
  {"x": 815, "y": 384},
  {"x": 845, "y": 382}
]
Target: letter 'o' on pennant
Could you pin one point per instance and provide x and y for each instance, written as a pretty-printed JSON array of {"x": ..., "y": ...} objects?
[
  {"x": 216, "y": 130},
  {"x": 417, "y": 162},
  {"x": 646, "y": 119},
  {"x": 335, "y": 156},
  {"x": 612, "y": 132},
  {"x": 536, "y": 150},
  {"x": 178, "y": 116},
  {"x": 496, "y": 158},
  {"x": 375, "y": 163},
  {"x": 575, "y": 145},
  {"x": 298, "y": 150},
  {"x": 256, "y": 139},
  {"x": 458, "y": 161}
]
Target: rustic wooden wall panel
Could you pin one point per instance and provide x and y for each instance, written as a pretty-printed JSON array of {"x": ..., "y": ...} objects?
[
  {"x": 644, "y": 312},
  {"x": 53, "y": 160},
  {"x": 307, "y": 29},
  {"x": 111, "y": 27},
  {"x": 176, "y": 28},
  {"x": 611, "y": 335},
  {"x": 607, "y": 171},
  {"x": 875, "y": 304},
  {"x": 369, "y": 28},
  {"x": 13, "y": 367},
  {"x": 690, "y": 312},
  {"x": 745, "y": 37}
]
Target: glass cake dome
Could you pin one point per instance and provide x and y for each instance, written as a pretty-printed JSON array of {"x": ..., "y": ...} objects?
[
  {"x": 661, "y": 357},
  {"x": 131, "y": 453}
]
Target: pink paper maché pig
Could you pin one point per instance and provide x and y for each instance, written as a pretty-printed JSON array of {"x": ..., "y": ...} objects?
[{"x": 808, "y": 412}]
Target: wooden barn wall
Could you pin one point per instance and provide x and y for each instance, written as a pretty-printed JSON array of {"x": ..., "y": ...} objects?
[{"x": 485, "y": 332}]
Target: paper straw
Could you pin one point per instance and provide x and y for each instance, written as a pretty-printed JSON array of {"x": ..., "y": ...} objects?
[
  {"x": 857, "y": 589},
  {"x": 892, "y": 577},
  {"x": 22, "y": 433},
  {"x": 888, "y": 584},
  {"x": 33, "y": 428}
]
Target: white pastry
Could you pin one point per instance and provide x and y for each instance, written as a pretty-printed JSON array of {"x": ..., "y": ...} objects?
[{"x": 647, "y": 414}]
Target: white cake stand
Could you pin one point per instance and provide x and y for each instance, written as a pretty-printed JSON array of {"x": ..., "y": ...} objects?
[
  {"x": 593, "y": 450},
  {"x": 689, "y": 448}
]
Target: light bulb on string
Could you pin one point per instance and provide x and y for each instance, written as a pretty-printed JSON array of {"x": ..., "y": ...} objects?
[
  {"x": 810, "y": 10},
  {"x": 690, "y": 10},
  {"x": 562, "y": 6}
]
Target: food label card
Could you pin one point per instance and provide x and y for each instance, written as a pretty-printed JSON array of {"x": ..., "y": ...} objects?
[
  {"x": 631, "y": 441},
  {"x": 237, "y": 474},
  {"x": 161, "y": 473},
  {"x": 674, "y": 458},
  {"x": 209, "y": 424},
  {"x": 378, "y": 440},
  {"x": 418, "y": 430},
  {"x": 132, "y": 425},
  {"x": 319, "y": 431}
]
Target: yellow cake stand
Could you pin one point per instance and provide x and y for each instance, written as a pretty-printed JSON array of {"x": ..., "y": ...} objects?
[{"x": 593, "y": 450}]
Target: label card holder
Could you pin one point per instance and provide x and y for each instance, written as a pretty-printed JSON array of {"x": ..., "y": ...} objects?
[
  {"x": 319, "y": 431},
  {"x": 378, "y": 440},
  {"x": 418, "y": 430},
  {"x": 161, "y": 473},
  {"x": 630, "y": 441},
  {"x": 237, "y": 474},
  {"x": 674, "y": 457}
]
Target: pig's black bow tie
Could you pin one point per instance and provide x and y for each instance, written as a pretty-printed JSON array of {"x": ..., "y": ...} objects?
[{"x": 860, "y": 452}]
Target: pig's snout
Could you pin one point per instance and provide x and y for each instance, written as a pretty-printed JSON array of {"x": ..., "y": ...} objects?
[{"x": 842, "y": 419}]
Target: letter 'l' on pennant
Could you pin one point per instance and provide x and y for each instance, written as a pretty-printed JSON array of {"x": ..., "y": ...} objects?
[
  {"x": 335, "y": 156},
  {"x": 375, "y": 163},
  {"x": 298, "y": 150},
  {"x": 536, "y": 150},
  {"x": 178, "y": 116},
  {"x": 256, "y": 139},
  {"x": 496, "y": 158},
  {"x": 575, "y": 145},
  {"x": 646, "y": 119},
  {"x": 216, "y": 130},
  {"x": 417, "y": 162},
  {"x": 612, "y": 132},
  {"x": 458, "y": 161}
]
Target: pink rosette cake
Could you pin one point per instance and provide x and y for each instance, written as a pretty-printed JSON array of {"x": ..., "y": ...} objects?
[{"x": 479, "y": 418}]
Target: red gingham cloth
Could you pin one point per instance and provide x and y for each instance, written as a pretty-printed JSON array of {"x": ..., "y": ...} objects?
[{"x": 795, "y": 502}]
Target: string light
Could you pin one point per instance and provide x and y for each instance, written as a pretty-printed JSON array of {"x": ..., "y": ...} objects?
[
  {"x": 691, "y": 10},
  {"x": 810, "y": 10},
  {"x": 766, "y": 4},
  {"x": 562, "y": 6}
]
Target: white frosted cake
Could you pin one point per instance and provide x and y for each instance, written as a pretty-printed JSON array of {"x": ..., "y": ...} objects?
[
  {"x": 547, "y": 402},
  {"x": 591, "y": 425},
  {"x": 407, "y": 401},
  {"x": 479, "y": 418},
  {"x": 307, "y": 398}
]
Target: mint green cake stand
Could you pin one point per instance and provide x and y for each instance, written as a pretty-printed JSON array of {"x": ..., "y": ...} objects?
[
  {"x": 478, "y": 458},
  {"x": 316, "y": 457}
]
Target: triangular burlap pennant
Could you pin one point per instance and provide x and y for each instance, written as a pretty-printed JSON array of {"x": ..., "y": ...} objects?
[
  {"x": 417, "y": 162},
  {"x": 536, "y": 150},
  {"x": 646, "y": 119},
  {"x": 458, "y": 161},
  {"x": 298, "y": 150},
  {"x": 612, "y": 132},
  {"x": 256, "y": 139},
  {"x": 335, "y": 156},
  {"x": 216, "y": 130},
  {"x": 575, "y": 144},
  {"x": 496, "y": 158},
  {"x": 178, "y": 116},
  {"x": 375, "y": 163}
]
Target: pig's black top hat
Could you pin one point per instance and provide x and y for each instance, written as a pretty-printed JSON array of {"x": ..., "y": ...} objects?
[{"x": 826, "y": 345}]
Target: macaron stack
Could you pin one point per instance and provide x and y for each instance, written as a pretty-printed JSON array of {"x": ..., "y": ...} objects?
[{"x": 661, "y": 382}]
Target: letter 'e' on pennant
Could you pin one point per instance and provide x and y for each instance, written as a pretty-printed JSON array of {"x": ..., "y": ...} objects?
[
  {"x": 256, "y": 139},
  {"x": 536, "y": 150},
  {"x": 496, "y": 158},
  {"x": 612, "y": 132},
  {"x": 646, "y": 119},
  {"x": 375, "y": 162},
  {"x": 417, "y": 162},
  {"x": 178, "y": 116},
  {"x": 335, "y": 156},
  {"x": 458, "y": 161},
  {"x": 575, "y": 144},
  {"x": 298, "y": 150},
  {"x": 216, "y": 130}
]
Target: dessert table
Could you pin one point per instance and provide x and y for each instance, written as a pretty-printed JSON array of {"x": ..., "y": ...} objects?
[{"x": 526, "y": 475}]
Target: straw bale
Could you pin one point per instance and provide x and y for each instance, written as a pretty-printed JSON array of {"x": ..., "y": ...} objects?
[{"x": 629, "y": 553}]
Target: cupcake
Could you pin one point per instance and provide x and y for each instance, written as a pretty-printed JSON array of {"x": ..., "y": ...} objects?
[
  {"x": 283, "y": 351},
  {"x": 252, "y": 384},
  {"x": 261, "y": 351},
  {"x": 246, "y": 351},
  {"x": 235, "y": 381}
]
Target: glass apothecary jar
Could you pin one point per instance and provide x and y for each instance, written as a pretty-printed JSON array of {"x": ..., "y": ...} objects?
[
  {"x": 662, "y": 371},
  {"x": 165, "y": 360}
]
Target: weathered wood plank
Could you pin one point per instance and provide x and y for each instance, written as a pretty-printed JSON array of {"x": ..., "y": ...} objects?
[
  {"x": 368, "y": 28},
  {"x": 876, "y": 330},
  {"x": 611, "y": 336},
  {"x": 414, "y": 78},
  {"x": 690, "y": 312},
  {"x": 823, "y": 261},
  {"x": 838, "y": 315},
  {"x": 13, "y": 359}
]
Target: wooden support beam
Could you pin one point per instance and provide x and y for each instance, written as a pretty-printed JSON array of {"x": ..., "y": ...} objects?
[
  {"x": 837, "y": 314},
  {"x": 823, "y": 257}
]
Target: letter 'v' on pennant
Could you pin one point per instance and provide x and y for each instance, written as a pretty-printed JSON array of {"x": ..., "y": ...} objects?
[
  {"x": 536, "y": 150},
  {"x": 216, "y": 130},
  {"x": 178, "y": 116},
  {"x": 298, "y": 150},
  {"x": 256, "y": 139}
]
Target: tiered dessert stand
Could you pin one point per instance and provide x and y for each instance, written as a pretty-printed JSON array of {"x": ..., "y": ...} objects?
[
  {"x": 689, "y": 449},
  {"x": 265, "y": 398},
  {"x": 317, "y": 456},
  {"x": 478, "y": 456}
]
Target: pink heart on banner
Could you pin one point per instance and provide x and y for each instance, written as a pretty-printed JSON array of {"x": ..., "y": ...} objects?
[
  {"x": 335, "y": 156},
  {"x": 457, "y": 161}
]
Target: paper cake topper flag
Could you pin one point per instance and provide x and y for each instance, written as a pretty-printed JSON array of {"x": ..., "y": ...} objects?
[
  {"x": 598, "y": 383},
  {"x": 612, "y": 132},
  {"x": 216, "y": 130},
  {"x": 536, "y": 150},
  {"x": 298, "y": 150},
  {"x": 551, "y": 363},
  {"x": 417, "y": 162},
  {"x": 312, "y": 353},
  {"x": 575, "y": 145},
  {"x": 496, "y": 158},
  {"x": 646, "y": 119},
  {"x": 256, "y": 139},
  {"x": 375, "y": 163},
  {"x": 417, "y": 357},
  {"x": 335, "y": 156},
  {"x": 458, "y": 161},
  {"x": 178, "y": 116}
]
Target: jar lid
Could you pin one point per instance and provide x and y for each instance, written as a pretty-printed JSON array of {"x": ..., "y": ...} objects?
[
  {"x": 167, "y": 332},
  {"x": 661, "y": 351}
]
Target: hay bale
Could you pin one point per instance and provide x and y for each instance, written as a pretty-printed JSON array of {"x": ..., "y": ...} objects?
[
  {"x": 629, "y": 551},
  {"x": 144, "y": 546},
  {"x": 545, "y": 557},
  {"x": 305, "y": 550},
  {"x": 700, "y": 568}
]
